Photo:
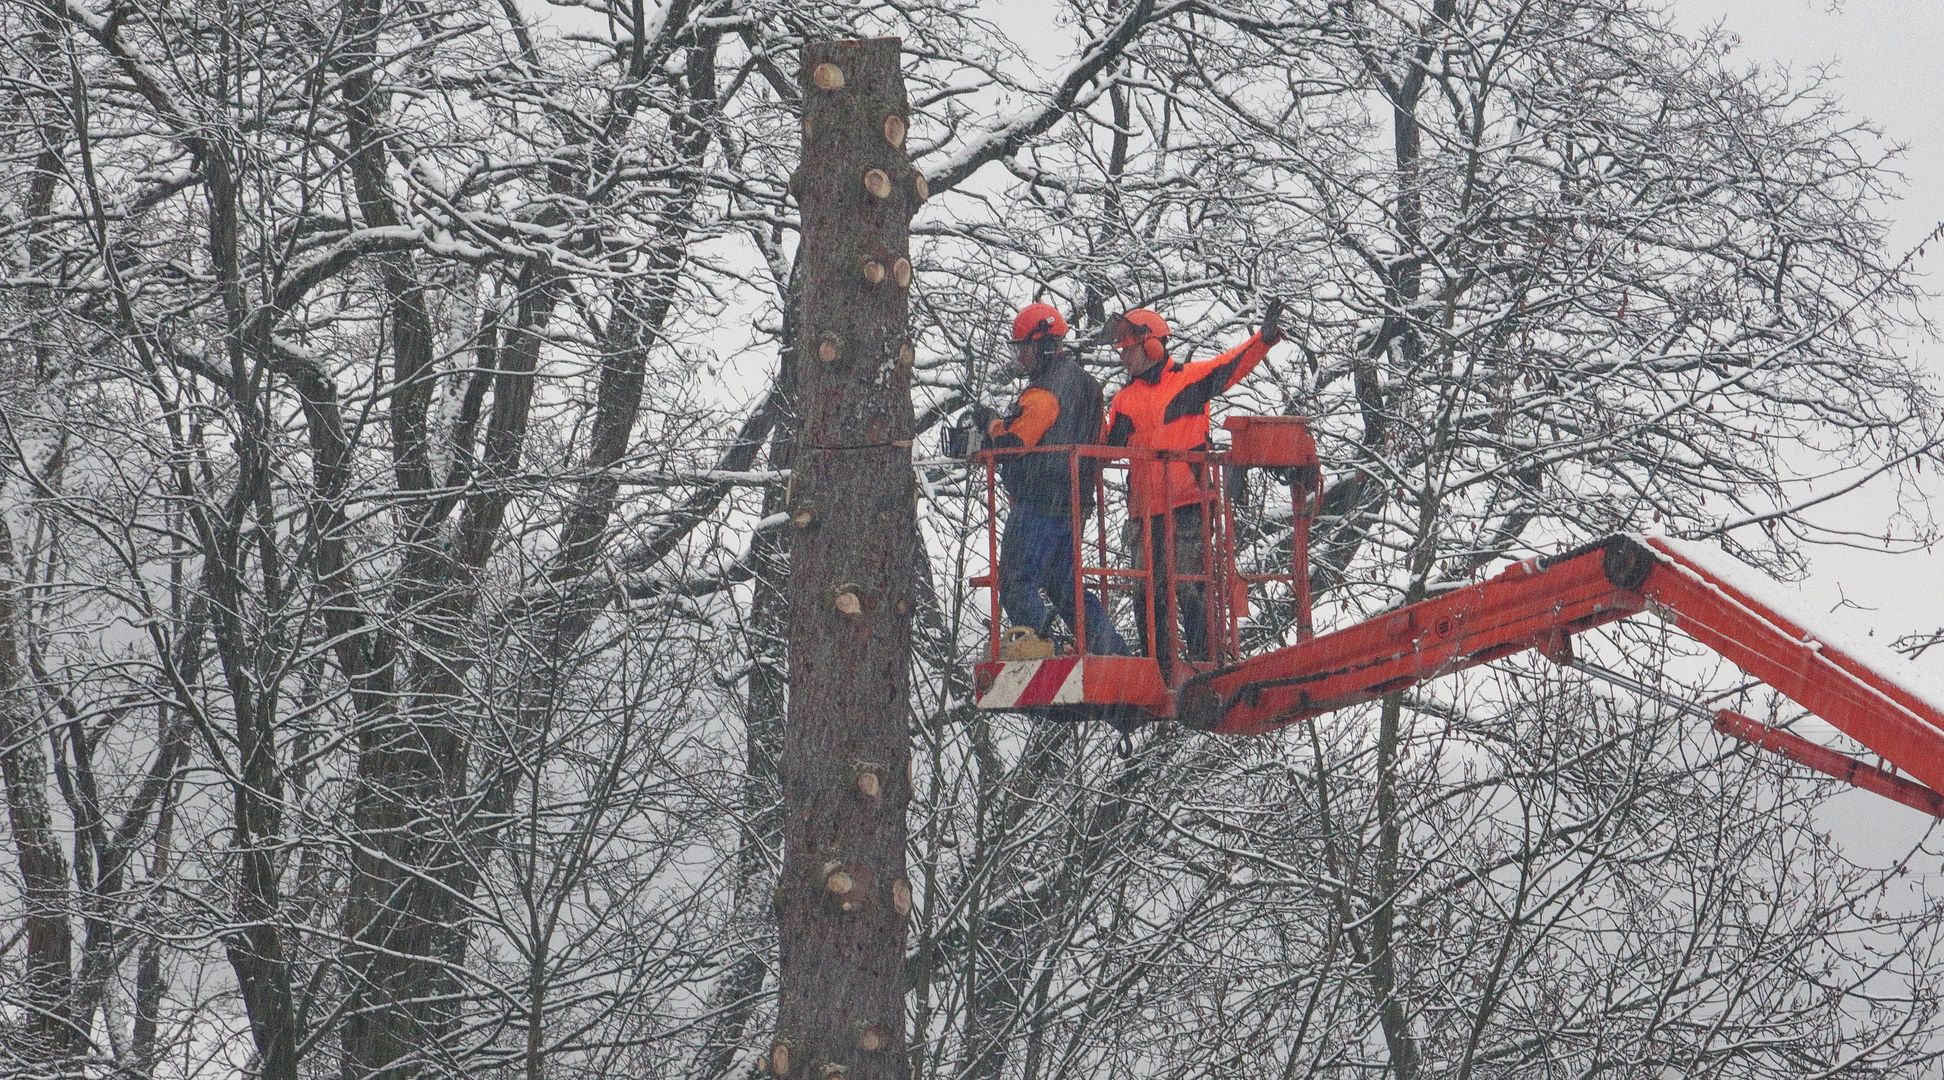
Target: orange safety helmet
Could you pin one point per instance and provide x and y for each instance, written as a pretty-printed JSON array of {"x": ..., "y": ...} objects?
[
  {"x": 1145, "y": 327},
  {"x": 1036, "y": 321}
]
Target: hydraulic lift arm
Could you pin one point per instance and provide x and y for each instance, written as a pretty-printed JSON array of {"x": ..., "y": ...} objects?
[
  {"x": 1540, "y": 603},
  {"x": 1533, "y": 604}
]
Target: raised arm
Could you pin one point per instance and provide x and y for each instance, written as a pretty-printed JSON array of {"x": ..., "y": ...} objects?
[{"x": 1206, "y": 378}]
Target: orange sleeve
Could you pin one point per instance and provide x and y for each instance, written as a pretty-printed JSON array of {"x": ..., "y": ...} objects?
[
  {"x": 1229, "y": 368},
  {"x": 1038, "y": 408}
]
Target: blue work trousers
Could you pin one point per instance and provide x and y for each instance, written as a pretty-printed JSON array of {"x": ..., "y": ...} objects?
[{"x": 1036, "y": 555}]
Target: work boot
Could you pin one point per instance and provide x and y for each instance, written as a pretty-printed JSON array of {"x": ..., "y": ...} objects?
[{"x": 1023, "y": 643}]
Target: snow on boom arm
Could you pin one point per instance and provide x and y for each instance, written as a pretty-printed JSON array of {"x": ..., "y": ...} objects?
[{"x": 1874, "y": 696}]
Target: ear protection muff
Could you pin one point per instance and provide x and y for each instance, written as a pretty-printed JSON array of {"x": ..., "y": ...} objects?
[
  {"x": 1045, "y": 348},
  {"x": 1146, "y": 327}
]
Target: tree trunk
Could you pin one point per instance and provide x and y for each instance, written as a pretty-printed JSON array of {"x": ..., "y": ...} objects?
[
  {"x": 43, "y": 868},
  {"x": 843, "y": 899}
]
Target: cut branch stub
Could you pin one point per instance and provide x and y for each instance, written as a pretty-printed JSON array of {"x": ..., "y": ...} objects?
[
  {"x": 901, "y": 272},
  {"x": 901, "y": 896},
  {"x": 827, "y": 77},
  {"x": 872, "y": 1038},
  {"x": 920, "y": 185},
  {"x": 848, "y": 883},
  {"x": 873, "y": 271},
  {"x": 907, "y": 354},
  {"x": 779, "y": 1059},
  {"x": 848, "y": 603},
  {"x": 870, "y": 781},
  {"x": 828, "y": 348},
  {"x": 877, "y": 183},
  {"x": 894, "y": 130}
]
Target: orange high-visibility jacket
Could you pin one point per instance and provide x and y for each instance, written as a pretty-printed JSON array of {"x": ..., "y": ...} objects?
[{"x": 1166, "y": 408}]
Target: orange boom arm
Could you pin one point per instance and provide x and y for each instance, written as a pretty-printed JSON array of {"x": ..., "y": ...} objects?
[{"x": 1538, "y": 604}]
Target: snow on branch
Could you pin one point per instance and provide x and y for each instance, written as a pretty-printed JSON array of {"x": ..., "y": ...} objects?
[{"x": 1011, "y": 132}]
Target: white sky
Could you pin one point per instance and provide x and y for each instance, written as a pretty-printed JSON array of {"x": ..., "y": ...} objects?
[{"x": 1887, "y": 57}]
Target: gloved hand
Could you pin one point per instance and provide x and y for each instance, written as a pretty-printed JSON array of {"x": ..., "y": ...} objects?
[{"x": 1272, "y": 322}]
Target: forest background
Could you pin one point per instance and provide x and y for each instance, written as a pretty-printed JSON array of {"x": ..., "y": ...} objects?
[{"x": 397, "y": 409}]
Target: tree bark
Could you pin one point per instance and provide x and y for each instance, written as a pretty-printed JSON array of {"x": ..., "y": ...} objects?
[
  {"x": 843, "y": 899},
  {"x": 43, "y": 868}
]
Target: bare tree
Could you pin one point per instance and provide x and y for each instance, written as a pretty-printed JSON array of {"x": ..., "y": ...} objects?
[
  {"x": 1552, "y": 259},
  {"x": 399, "y": 405}
]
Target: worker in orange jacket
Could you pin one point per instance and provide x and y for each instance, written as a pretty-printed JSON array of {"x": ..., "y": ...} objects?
[
  {"x": 1060, "y": 407},
  {"x": 1164, "y": 406}
]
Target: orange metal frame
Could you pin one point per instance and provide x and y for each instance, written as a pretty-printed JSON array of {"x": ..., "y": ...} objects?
[
  {"x": 1147, "y": 681},
  {"x": 1536, "y": 604}
]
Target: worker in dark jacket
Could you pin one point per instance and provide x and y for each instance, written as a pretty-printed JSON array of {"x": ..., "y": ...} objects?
[
  {"x": 1060, "y": 407},
  {"x": 1164, "y": 406}
]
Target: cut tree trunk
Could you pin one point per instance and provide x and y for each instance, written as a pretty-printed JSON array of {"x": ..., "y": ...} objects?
[{"x": 843, "y": 898}]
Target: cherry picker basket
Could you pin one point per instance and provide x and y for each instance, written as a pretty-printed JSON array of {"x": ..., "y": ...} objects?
[{"x": 1114, "y": 558}]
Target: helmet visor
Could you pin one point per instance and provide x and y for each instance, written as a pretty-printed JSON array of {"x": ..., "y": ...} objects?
[{"x": 1042, "y": 328}]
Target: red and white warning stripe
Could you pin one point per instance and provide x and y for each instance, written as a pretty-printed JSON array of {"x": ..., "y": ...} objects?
[{"x": 1029, "y": 684}]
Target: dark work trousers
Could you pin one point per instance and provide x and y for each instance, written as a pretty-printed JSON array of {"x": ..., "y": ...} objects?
[
  {"x": 1184, "y": 597},
  {"x": 1036, "y": 555}
]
